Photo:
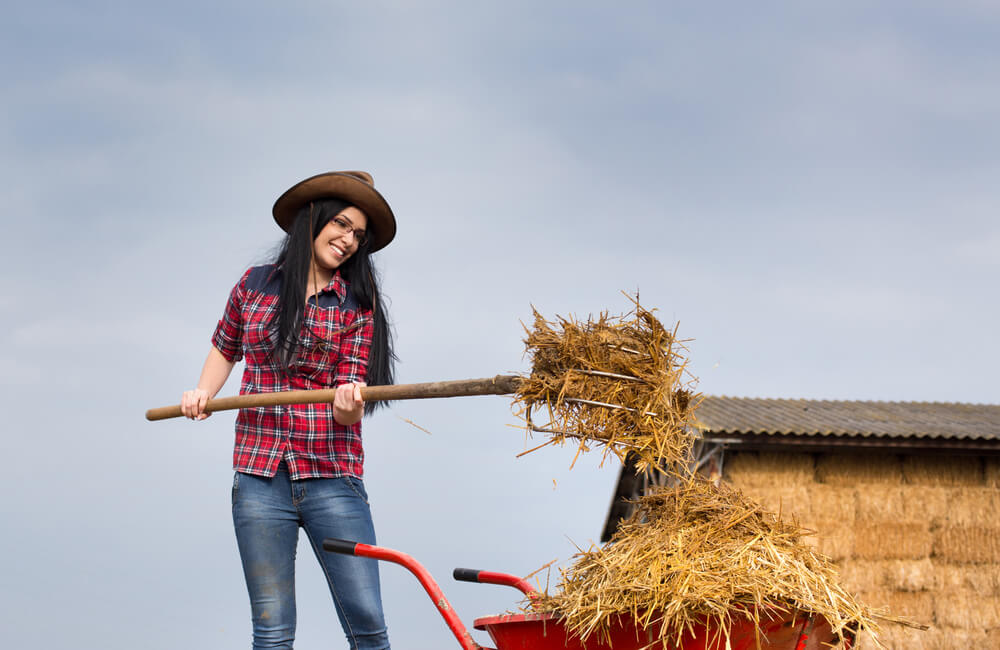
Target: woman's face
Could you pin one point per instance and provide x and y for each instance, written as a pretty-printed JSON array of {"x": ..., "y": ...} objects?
[{"x": 340, "y": 238}]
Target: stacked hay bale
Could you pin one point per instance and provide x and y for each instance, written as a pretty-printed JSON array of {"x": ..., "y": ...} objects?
[{"x": 918, "y": 534}]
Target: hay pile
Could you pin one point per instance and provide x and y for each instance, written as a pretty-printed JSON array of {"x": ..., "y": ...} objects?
[
  {"x": 699, "y": 551},
  {"x": 619, "y": 382},
  {"x": 692, "y": 554}
]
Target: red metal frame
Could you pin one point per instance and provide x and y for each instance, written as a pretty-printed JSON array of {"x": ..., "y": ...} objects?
[
  {"x": 807, "y": 628},
  {"x": 430, "y": 586}
]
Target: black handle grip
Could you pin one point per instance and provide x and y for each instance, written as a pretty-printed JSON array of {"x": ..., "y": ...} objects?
[
  {"x": 339, "y": 546},
  {"x": 466, "y": 575}
]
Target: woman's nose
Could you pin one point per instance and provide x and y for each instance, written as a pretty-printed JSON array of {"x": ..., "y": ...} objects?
[{"x": 349, "y": 237}]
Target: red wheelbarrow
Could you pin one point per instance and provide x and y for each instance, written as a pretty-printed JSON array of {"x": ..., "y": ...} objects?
[{"x": 782, "y": 630}]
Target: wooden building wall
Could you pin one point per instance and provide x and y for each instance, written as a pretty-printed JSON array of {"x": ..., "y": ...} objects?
[{"x": 918, "y": 534}]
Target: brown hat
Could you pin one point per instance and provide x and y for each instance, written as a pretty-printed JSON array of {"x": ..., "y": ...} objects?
[{"x": 356, "y": 188}]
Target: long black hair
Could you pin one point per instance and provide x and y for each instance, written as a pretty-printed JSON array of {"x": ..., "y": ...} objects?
[{"x": 295, "y": 257}]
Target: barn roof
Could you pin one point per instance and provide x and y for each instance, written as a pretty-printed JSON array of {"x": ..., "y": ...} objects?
[{"x": 854, "y": 423}]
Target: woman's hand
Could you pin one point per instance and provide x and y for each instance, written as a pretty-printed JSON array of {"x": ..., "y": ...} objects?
[
  {"x": 213, "y": 375},
  {"x": 348, "y": 406},
  {"x": 193, "y": 404}
]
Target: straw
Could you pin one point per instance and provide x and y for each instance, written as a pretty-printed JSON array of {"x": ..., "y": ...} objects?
[
  {"x": 617, "y": 382},
  {"x": 693, "y": 552},
  {"x": 698, "y": 553}
]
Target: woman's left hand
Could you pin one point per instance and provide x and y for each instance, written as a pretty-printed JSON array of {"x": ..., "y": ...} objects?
[{"x": 348, "y": 406}]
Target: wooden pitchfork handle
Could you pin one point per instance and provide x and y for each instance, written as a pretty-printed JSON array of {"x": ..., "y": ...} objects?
[{"x": 499, "y": 385}]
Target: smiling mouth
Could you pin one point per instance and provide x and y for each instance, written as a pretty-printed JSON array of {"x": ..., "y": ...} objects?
[{"x": 336, "y": 249}]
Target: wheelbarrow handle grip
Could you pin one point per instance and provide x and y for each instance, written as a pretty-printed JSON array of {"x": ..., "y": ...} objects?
[
  {"x": 339, "y": 546},
  {"x": 466, "y": 575},
  {"x": 494, "y": 578},
  {"x": 498, "y": 385}
]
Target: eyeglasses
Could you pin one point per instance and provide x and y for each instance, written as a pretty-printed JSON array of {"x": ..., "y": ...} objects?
[{"x": 343, "y": 227}]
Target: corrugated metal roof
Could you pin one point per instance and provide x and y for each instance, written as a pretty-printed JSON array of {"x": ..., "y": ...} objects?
[{"x": 803, "y": 417}]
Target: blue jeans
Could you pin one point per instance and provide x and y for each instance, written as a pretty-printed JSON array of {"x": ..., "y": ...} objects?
[{"x": 267, "y": 513}]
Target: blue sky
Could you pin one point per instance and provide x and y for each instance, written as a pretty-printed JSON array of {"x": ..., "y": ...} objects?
[{"x": 809, "y": 189}]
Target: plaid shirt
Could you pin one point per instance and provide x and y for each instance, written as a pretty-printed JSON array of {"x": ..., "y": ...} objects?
[{"x": 334, "y": 345}]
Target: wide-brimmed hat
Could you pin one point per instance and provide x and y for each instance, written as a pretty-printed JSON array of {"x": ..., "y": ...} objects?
[{"x": 354, "y": 187}]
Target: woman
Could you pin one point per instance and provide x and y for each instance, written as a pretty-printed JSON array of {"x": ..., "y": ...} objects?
[{"x": 314, "y": 318}]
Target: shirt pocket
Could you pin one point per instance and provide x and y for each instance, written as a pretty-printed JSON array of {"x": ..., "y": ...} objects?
[{"x": 258, "y": 336}]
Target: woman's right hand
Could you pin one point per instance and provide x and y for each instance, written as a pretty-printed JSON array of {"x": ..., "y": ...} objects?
[
  {"x": 213, "y": 375},
  {"x": 193, "y": 404}
]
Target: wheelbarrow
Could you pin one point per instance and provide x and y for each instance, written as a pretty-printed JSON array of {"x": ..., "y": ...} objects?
[{"x": 544, "y": 631}]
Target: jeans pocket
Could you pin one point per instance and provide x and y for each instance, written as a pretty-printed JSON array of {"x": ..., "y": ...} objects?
[
  {"x": 236, "y": 487},
  {"x": 358, "y": 487}
]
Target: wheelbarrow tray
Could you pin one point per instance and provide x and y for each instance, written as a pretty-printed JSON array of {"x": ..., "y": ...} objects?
[{"x": 782, "y": 631}]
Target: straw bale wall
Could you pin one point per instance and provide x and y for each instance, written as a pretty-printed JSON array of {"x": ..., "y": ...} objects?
[
  {"x": 892, "y": 541},
  {"x": 774, "y": 469},
  {"x": 992, "y": 472},
  {"x": 858, "y": 469},
  {"x": 930, "y": 504},
  {"x": 937, "y": 470},
  {"x": 833, "y": 538},
  {"x": 916, "y": 534}
]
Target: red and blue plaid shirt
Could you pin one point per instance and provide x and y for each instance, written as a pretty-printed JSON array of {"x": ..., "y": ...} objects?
[{"x": 334, "y": 345}]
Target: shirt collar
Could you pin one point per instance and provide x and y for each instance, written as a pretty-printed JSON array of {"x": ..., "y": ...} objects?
[{"x": 337, "y": 284}]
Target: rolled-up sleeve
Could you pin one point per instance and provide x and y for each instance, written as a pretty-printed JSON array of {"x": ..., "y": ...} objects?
[
  {"x": 228, "y": 336},
  {"x": 355, "y": 347}
]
